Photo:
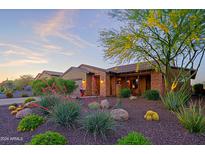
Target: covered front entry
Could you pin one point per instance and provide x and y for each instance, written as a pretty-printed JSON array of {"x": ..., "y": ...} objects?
[
  {"x": 92, "y": 85},
  {"x": 136, "y": 83}
]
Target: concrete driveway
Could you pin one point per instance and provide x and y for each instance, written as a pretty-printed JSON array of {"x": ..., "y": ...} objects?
[{"x": 9, "y": 101}]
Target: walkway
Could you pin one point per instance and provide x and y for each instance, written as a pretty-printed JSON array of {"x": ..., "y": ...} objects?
[{"x": 9, "y": 101}]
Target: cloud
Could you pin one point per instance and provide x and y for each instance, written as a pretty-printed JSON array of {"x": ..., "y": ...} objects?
[
  {"x": 27, "y": 56},
  {"x": 59, "y": 26},
  {"x": 22, "y": 62}
]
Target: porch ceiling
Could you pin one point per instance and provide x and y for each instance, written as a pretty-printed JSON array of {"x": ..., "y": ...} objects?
[{"x": 133, "y": 74}]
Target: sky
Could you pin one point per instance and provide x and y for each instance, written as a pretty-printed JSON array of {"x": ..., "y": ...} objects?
[{"x": 35, "y": 40}]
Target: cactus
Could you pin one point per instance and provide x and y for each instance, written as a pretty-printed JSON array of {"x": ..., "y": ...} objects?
[
  {"x": 12, "y": 107},
  {"x": 151, "y": 115}
]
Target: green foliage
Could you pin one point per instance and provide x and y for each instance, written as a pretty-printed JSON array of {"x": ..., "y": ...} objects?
[
  {"x": 151, "y": 94},
  {"x": 49, "y": 101},
  {"x": 7, "y": 86},
  {"x": 37, "y": 86},
  {"x": 23, "y": 81},
  {"x": 1, "y": 89},
  {"x": 147, "y": 34},
  {"x": 134, "y": 138},
  {"x": 49, "y": 138},
  {"x": 94, "y": 106},
  {"x": 30, "y": 123},
  {"x": 192, "y": 118},
  {"x": 125, "y": 92},
  {"x": 174, "y": 100},
  {"x": 9, "y": 94},
  {"x": 24, "y": 95},
  {"x": 30, "y": 99},
  {"x": 198, "y": 89},
  {"x": 61, "y": 86},
  {"x": 66, "y": 114},
  {"x": 98, "y": 123}
]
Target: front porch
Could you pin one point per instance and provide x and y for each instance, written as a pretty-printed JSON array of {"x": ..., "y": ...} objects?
[
  {"x": 108, "y": 84},
  {"x": 136, "y": 82}
]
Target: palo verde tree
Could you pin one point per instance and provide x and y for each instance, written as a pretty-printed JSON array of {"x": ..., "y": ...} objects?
[{"x": 164, "y": 38}]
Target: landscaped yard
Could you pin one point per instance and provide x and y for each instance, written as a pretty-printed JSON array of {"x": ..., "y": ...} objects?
[{"x": 167, "y": 130}]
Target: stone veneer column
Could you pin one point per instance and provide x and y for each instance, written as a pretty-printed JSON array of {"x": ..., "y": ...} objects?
[
  {"x": 157, "y": 82},
  {"x": 103, "y": 84},
  {"x": 88, "y": 90}
]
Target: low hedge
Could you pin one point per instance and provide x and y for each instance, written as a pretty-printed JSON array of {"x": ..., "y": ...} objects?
[
  {"x": 125, "y": 92},
  {"x": 151, "y": 95}
]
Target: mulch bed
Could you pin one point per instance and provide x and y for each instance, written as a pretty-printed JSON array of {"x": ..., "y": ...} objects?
[{"x": 167, "y": 131}]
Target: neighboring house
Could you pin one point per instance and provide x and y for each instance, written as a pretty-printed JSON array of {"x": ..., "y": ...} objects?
[
  {"x": 47, "y": 75},
  {"x": 108, "y": 82}
]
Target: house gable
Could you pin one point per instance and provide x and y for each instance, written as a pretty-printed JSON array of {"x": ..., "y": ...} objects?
[{"x": 75, "y": 73}]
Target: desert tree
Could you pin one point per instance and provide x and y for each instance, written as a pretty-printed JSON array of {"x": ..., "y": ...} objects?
[{"x": 164, "y": 38}]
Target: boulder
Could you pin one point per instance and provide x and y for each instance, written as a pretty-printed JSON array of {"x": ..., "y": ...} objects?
[
  {"x": 23, "y": 113},
  {"x": 104, "y": 104},
  {"x": 119, "y": 114}
]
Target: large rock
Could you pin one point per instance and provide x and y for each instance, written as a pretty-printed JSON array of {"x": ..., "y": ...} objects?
[
  {"x": 119, "y": 114},
  {"x": 23, "y": 113},
  {"x": 104, "y": 104}
]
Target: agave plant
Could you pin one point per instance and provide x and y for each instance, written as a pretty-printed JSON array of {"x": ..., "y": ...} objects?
[
  {"x": 192, "y": 118},
  {"x": 174, "y": 100}
]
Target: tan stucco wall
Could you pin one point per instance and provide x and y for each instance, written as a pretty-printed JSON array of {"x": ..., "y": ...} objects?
[
  {"x": 44, "y": 76},
  {"x": 104, "y": 80},
  {"x": 74, "y": 74}
]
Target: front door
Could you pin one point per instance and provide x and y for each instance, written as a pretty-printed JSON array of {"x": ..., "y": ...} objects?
[{"x": 97, "y": 80}]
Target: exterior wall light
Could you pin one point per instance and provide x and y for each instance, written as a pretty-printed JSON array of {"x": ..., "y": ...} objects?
[
  {"x": 83, "y": 81},
  {"x": 101, "y": 81}
]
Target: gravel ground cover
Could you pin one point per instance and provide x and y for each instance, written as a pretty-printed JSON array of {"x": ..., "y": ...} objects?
[{"x": 167, "y": 131}]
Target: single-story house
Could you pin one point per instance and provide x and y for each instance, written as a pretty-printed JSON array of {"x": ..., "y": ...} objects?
[
  {"x": 108, "y": 82},
  {"x": 48, "y": 74}
]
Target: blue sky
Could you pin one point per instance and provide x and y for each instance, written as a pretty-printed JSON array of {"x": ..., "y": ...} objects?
[{"x": 36, "y": 40}]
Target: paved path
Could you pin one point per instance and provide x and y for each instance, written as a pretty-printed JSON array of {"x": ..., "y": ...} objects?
[{"x": 8, "y": 101}]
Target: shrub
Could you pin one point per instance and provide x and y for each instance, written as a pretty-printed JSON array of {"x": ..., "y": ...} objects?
[
  {"x": 192, "y": 118},
  {"x": 23, "y": 81},
  {"x": 198, "y": 88},
  {"x": 67, "y": 86},
  {"x": 133, "y": 138},
  {"x": 62, "y": 86},
  {"x": 48, "y": 138},
  {"x": 24, "y": 95},
  {"x": 49, "y": 102},
  {"x": 94, "y": 106},
  {"x": 174, "y": 100},
  {"x": 98, "y": 123},
  {"x": 125, "y": 92},
  {"x": 37, "y": 86},
  {"x": 30, "y": 99},
  {"x": 9, "y": 95},
  {"x": 66, "y": 113},
  {"x": 30, "y": 122},
  {"x": 151, "y": 94}
]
